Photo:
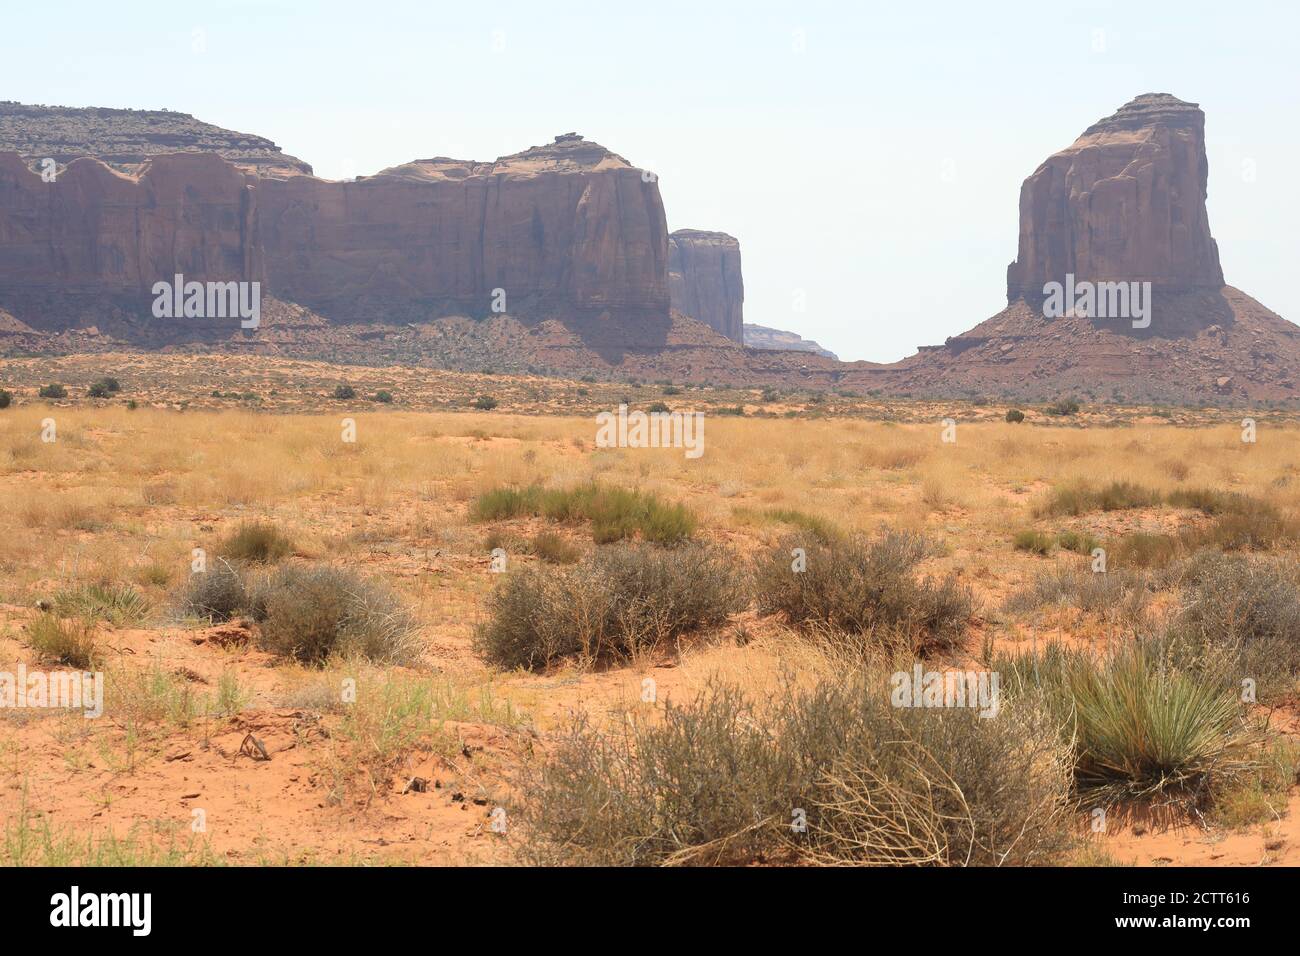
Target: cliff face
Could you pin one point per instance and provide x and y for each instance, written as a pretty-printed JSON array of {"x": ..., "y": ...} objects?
[
  {"x": 96, "y": 231},
  {"x": 1125, "y": 202},
  {"x": 705, "y": 282},
  {"x": 568, "y": 231},
  {"x": 568, "y": 228}
]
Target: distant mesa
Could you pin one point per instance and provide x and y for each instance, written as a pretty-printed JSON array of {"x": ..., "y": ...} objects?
[
  {"x": 127, "y": 139},
  {"x": 761, "y": 337},
  {"x": 558, "y": 258},
  {"x": 704, "y": 280}
]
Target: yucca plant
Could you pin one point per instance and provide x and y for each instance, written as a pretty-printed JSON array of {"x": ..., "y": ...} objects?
[
  {"x": 1144, "y": 728},
  {"x": 117, "y": 604}
]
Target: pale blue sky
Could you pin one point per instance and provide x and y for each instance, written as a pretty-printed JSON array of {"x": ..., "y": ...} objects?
[{"x": 868, "y": 155}]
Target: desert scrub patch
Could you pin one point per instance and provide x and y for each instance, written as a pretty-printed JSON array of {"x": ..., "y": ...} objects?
[
  {"x": 394, "y": 715},
  {"x": 1240, "y": 618},
  {"x": 1262, "y": 796},
  {"x": 720, "y": 780},
  {"x": 1114, "y": 595},
  {"x": 59, "y": 640},
  {"x": 117, "y": 604},
  {"x": 554, "y": 549},
  {"x": 1081, "y": 497},
  {"x": 861, "y": 585},
  {"x": 1077, "y": 541},
  {"x": 614, "y": 513},
  {"x": 257, "y": 542},
  {"x": 310, "y": 613},
  {"x": 217, "y": 594},
  {"x": 621, "y": 600}
]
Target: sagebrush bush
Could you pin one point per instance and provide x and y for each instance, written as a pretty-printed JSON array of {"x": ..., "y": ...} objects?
[
  {"x": 218, "y": 594},
  {"x": 623, "y": 599},
  {"x": 860, "y": 585},
  {"x": 258, "y": 542},
  {"x": 311, "y": 613},
  {"x": 1240, "y": 617},
  {"x": 1115, "y": 595},
  {"x": 58, "y": 640},
  {"x": 719, "y": 780}
]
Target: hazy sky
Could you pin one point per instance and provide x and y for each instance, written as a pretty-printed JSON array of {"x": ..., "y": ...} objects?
[{"x": 867, "y": 155}]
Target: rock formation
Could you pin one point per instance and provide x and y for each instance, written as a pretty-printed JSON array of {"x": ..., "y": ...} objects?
[
  {"x": 1124, "y": 203},
  {"x": 761, "y": 337},
  {"x": 564, "y": 230},
  {"x": 127, "y": 139},
  {"x": 567, "y": 231},
  {"x": 704, "y": 280},
  {"x": 97, "y": 232}
]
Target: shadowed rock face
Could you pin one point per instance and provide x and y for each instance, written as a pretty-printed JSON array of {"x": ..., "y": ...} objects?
[
  {"x": 95, "y": 231},
  {"x": 1124, "y": 203},
  {"x": 704, "y": 280},
  {"x": 568, "y": 231},
  {"x": 568, "y": 228}
]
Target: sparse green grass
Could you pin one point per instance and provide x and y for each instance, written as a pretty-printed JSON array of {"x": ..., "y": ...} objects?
[
  {"x": 257, "y": 542},
  {"x": 615, "y": 513},
  {"x": 35, "y": 840},
  {"x": 66, "y": 641},
  {"x": 821, "y": 528},
  {"x": 1035, "y": 542}
]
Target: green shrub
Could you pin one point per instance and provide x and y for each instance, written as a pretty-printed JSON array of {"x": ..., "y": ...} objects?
[
  {"x": 53, "y": 391},
  {"x": 485, "y": 403},
  {"x": 1036, "y": 542},
  {"x": 620, "y": 601},
  {"x": 1015, "y": 415},
  {"x": 1063, "y": 406},
  {"x": 1077, "y": 541},
  {"x": 258, "y": 542},
  {"x": 311, "y": 613},
  {"x": 658, "y": 408},
  {"x": 384, "y": 397},
  {"x": 862, "y": 586},
  {"x": 62, "y": 640},
  {"x": 615, "y": 513},
  {"x": 5, "y": 398},
  {"x": 98, "y": 390},
  {"x": 344, "y": 392}
]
